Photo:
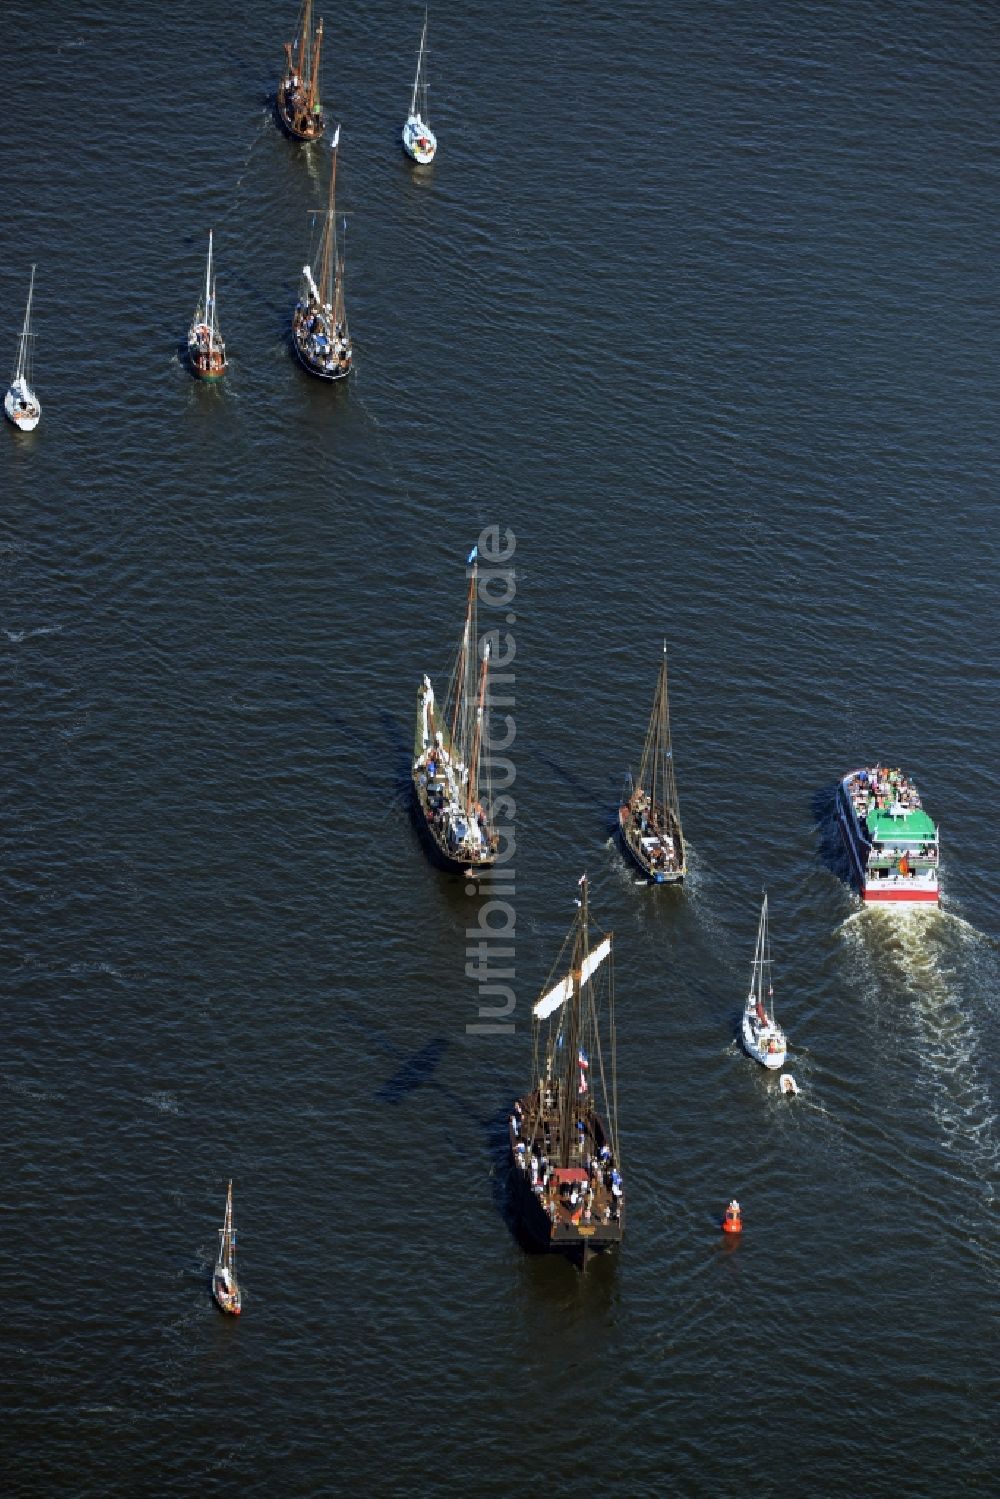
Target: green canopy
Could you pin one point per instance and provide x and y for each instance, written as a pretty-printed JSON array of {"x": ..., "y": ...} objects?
[{"x": 915, "y": 827}]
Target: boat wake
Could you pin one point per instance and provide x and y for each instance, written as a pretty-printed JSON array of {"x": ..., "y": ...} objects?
[
  {"x": 16, "y": 636},
  {"x": 949, "y": 971}
]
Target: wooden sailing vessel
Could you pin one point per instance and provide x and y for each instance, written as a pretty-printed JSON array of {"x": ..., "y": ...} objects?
[
  {"x": 320, "y": 333},
  {"x": 20, "y": 403},
  {"x": 450, "y": 768},
  {"x": 225, "y": 1287},
  {"x": 419, "y": 140},
  {"x": 298, "y": 104},
  {"x": 206, "y": 350},
  {"x": 565, "y": 1166},
  {"x": 649, "y": 816},
  {"x": 762, "y": 1036}
]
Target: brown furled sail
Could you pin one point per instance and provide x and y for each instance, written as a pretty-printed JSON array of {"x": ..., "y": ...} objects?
[
  {"x": 298, "y": 104},
  {"x": 649, "y": 816},
  {"x": 566, "y": 1180}
]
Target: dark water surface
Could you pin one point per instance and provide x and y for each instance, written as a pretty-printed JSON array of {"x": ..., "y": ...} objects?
[{"x": 703, "y": 304}]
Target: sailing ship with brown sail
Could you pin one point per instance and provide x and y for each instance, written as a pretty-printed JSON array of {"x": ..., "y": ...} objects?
[
  {"x": 298, "y": 103},
  {"x": 649, "y": 816},
  {"x": 320, "y": 334},
  {"x": 450, "y": 770},
  {"x": 206, "y": 350},
  {"x": 568, "y": 1192}
]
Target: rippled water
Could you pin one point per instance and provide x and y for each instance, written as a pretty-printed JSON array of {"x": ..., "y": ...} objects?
[{"x": 703, "y": 306}]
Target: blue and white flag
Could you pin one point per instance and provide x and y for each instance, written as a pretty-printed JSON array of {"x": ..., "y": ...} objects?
[{"x": 473, "y": 555}]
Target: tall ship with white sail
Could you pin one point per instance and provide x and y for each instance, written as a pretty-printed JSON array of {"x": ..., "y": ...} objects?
[
  {"x": 649, "y": 817},
  {"x": 451, "y": 779},
  {"x": 20, "y": 404},
  {"x": 893, "y": 843},
  {"x": 320, "y": 335},
  {"x": 569, "y": 1196}
]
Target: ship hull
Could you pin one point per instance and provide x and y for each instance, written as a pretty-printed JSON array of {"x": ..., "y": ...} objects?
[
  {"x": 226, "y": 1300},
  {"x": 773, "y": 1060},
  {"x": 898, "y": 891},
  {"x": 292, "y": 131},
  {"x": 441, "y": 856},
  {"x": 655, "y": 876},
  {"x": 576, "y": 1232},
  {"x": 203, "y": 372},
  {"x": 318, "y": 371},
  {"x": 573, "y": 1241}
]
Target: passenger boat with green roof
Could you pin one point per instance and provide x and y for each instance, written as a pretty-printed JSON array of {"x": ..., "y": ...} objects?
[{"x": 893, "y": 843}]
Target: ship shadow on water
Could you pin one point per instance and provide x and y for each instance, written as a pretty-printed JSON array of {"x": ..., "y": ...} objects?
[
  {"x": 604, "y": 808},
  {"x": 415, "y": 1072},
  {"x": 830, "y": 846}
]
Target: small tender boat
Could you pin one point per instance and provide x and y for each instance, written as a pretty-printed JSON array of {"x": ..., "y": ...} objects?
[
  {"x": 299, "y": 109},
  {"x": 206, "y": 350},
  {"x": 788, "y": 1084},
  {"x": 20, "y": 403},
  {"x": 732, "y": 1222},
  {"x": 763, "y": 1038},
  {"x": 225, "y": 1287},
  {"x": 419, "y": 140},
  {"x": 649, "y": 817},
  {"x": 320, "y": 334}
]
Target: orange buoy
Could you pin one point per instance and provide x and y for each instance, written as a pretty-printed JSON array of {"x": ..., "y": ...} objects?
[{"x": 732, "y": 1223}]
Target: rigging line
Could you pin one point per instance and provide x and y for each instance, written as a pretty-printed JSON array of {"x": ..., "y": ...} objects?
[
  {"x": 261, "y": 128},
  {"x": 380, "y": 441}
]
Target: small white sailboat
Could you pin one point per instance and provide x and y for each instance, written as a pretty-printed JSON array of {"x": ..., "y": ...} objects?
[
  {"x": 225, "y": 1287},
  {"x": 419, "y": 140},
  {"x": 763, "y": 1038},
  {"x": 206, "y": 350},
  {"x": 20, "y": 403}
]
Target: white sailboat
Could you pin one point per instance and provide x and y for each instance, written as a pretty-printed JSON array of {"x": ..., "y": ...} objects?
[
  {"x": 20, "y": 403},
  {"x": 206, "y": 350},
  {"x": 225, "y": 1287},
  {"x": 419, "y": 140},
  {"x": 763, "y": 1038}
]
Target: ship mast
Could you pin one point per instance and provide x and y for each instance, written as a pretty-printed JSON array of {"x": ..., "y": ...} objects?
[
  {"x": 472, "y": 794},
  {"x": 227, "y": 1248},
  {"x": 420, "y": 63},
  {"x": 657, "y": 769},
  {"x": 305, "y": 35},
  {"x": 24, "y": 345},
  {"x": 571, "y": 1105},
  {"x": 314, "y": 77},
  {"x": 464, "y": 681},
  {"x": 328, "y": 249},
  {"x": 210, "y": 298}
]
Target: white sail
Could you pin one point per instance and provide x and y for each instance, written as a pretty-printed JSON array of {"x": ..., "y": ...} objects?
[
  {"x": 555, "y": 997},
  {"x": 594, "y": 959},
  {"x": 559, "y": 993}
]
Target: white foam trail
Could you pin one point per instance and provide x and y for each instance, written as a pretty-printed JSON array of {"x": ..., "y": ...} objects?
[
  {"x": 16, "y": 636},
  {"x": 939, "y": 957}
]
